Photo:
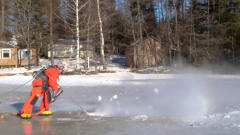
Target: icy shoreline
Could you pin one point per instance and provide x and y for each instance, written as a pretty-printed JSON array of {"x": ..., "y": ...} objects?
[{"x": 108, "y": 78}]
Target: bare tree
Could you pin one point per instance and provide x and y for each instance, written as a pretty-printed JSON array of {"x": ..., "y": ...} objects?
[
  {"x": 170, "y": 46},
  {"x": 77, "y": 33},
  {"x": 23, "y": 24},
  {"x": 88, "y": 35},
  {"x": 140, "y": 20},
  {"x": 208, "y": 27},
  {"x": 176, "y": 6},
  {"x": 73, "y": 22},
  {"x": 101, "y": 36}
]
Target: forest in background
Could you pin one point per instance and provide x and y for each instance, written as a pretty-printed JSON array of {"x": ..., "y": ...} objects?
[{"x": 194, "y": 31}]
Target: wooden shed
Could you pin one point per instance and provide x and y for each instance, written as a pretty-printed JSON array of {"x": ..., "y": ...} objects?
[
  {"x": 14, "y": 56},
  {"x": 147, "y": 53}
]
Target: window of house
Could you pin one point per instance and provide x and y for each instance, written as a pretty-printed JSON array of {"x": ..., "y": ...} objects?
[
  {"x": 24, "y": 53},
  {"x": 73, "y": 47},
  {"x": 56, "y": 48},
  {"x": 69, "y": 49},
  {"x": 6, "y": 53}
]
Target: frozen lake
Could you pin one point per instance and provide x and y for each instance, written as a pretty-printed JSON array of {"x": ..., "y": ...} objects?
[{"x": 180, "y": 105}]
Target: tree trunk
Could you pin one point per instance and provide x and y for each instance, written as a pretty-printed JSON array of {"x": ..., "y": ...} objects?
[
  {"x": 77, "y": 34},
  {"x": 190, "y": 41},
  {"x": 140, "y": 20},
  {"x": 88, "y": 35},
  {"x": 3, "y": 16},
  {"x": 208, "y": 28},
  {"x": 20, "y": 58},
  {"x": 194, "y": 33},
  {"x": 159, "y": 14},
  {"x": 162, "y": 11},
  {"x": 88, "y": 39},
  {"x": 28, "y": 35},
  {"x": 176, "y": 31},
  {"x": 133, "y": 29},
  {"x": 101, "y": 36},
  {"x": 17, "y": 61},
  {"x": 51, "y": 30},
  {"x": 168, "y": 32},
  {"x": 233, "y": 51},
  {"x": 182, "y": 5}
]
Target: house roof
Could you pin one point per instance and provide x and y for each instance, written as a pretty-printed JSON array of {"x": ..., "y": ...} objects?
[
  {"x": 10, "y": 42},
  {"x": 70, "y": 42},
  {"x": 136, "y": 43},
  {"x": 4, "y": 44}
]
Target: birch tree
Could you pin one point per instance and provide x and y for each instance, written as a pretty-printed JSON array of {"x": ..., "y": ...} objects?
[
  {"x": 77, "y": 9},
  {"x": 72, "y": 22},
  {"x": 77, "y": 34},
  {"x": 101, "y": 36}
]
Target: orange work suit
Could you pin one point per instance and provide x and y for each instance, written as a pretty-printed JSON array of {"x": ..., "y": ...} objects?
[{"x": 53, "y": 75}]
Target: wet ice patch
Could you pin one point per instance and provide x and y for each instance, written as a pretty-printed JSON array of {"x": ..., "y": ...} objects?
[
  {"x": 140, "y": 117},
  {"x": 64, "y": 119},
  {"x": 100, "y": 114}
]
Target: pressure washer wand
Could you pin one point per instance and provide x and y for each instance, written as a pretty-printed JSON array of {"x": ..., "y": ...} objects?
[
  {"x": 16, "y": 88},
  {"x": 35, "y": 73}
]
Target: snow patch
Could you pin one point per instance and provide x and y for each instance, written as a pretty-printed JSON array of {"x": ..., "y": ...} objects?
[
  {"x": 99, "y": 114},
  {"x": 231, "y": 114},
  {"x": 224, "y": 120},
  {"x": 156, "y": 91},
  {"x": 88, "y": 80},
  {"x": 99, "y": 98}
]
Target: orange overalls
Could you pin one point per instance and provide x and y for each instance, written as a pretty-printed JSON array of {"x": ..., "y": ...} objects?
[{"x": 37, "y": 90}]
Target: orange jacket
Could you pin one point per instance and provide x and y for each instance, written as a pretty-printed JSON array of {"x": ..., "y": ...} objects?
[{"x": 53, "y": 75}]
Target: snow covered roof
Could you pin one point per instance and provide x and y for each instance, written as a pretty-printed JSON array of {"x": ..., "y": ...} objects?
[
  {"x": 9, "y": 44},
  {"x": 139, "y": 42},
  {"x": 70, "y": 42},
  {"x": 4, "y": 44}
]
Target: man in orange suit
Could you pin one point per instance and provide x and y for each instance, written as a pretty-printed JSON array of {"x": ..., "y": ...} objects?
[{"x": 45, "y": 84}]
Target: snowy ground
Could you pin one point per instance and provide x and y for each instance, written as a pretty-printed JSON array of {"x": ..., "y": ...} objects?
[{"x": 114, "y": 63}]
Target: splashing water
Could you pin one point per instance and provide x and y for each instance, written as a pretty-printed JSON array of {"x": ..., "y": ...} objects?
[{"x": 179, "y": 98}]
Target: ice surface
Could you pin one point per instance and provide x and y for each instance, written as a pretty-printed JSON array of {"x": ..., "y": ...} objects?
[{"x": 202, "y": 102}]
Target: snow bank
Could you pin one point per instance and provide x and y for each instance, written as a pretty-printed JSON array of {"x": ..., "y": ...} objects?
[
  {"x": 102, "y": 79},
  {"x": 88, "y": 80}
]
